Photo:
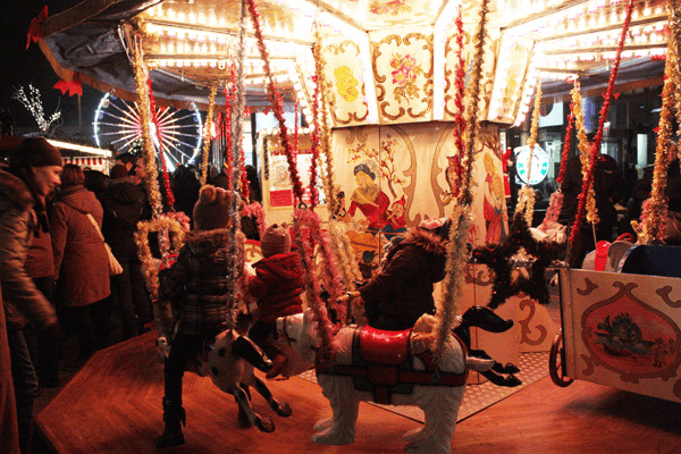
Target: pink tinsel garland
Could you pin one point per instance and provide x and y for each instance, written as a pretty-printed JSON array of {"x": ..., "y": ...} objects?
[
  {"x": 255, "y": 209},
  {"x": 459, "y": 77},
  {"x": 277, "y": 103}
]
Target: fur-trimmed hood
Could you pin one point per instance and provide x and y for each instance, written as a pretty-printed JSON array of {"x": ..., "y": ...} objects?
[
  {"x": 212, "y": 238},
  {"x": 215, "y": 244},
  {"x": 430, "y": 242},
  {"x": 16, "y": 191}
]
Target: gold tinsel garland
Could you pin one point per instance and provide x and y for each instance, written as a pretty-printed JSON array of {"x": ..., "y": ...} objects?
[
  {"x": 471, "y": 132},
  {"x": 345, "y": 254},
  {"x": 582, "y": 145},
  {"x": 323, "y": 121},
  {"x": 649, "y": 232},
  {"x": 144, "y": 228},
  {"x": 526, "y": 196},
  {"x": 206, "y": 133},
  {"x": 151, "y": 180}
]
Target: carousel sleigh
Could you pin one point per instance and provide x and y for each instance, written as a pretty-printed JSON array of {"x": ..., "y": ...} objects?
[{"x": 621, "y": 329}]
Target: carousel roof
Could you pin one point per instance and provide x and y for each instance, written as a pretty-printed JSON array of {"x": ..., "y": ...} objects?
[{"x": 189, "y": 45}]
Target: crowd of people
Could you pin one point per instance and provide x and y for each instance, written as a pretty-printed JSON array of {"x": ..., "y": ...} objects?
[{"x": 55, "y": 280}]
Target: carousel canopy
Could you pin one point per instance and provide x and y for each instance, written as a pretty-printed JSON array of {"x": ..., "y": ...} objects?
[{"x": 387, "y": 61}]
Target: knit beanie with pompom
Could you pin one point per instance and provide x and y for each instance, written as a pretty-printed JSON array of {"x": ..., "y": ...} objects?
[
  {"x": 276, "y": 240},
  {"x": 212, "y": 209}
]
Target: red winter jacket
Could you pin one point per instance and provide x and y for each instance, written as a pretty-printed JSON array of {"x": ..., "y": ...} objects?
[{"x": 277, "y": 285}]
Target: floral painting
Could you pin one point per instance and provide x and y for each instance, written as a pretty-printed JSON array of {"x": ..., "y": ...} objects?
[
  {"x": 393, "y": 7},
  {"x": 405, "y": 73},
  {"x": 346, "y": 83}
]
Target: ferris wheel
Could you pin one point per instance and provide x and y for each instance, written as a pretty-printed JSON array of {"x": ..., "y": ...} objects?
[{"x": 118, "y": 123}]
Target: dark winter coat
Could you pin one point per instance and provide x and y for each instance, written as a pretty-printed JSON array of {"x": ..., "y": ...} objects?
[
  {"x": 277, "y": 285},
  {"x": 608, "y": 186},
  {"x": 18, "y": 224},
  {"x": 403, "y": 288},
  {"x": 196, "y": 285},
  {"x": 78, "y": 248},
  {"x": 123, "y": 203}
]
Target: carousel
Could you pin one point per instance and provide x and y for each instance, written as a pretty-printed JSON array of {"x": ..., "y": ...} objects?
[{"x": 399, "y": 116}]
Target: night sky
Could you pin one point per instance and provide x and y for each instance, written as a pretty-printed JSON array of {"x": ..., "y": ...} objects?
[{"x": 21, "y": 67}]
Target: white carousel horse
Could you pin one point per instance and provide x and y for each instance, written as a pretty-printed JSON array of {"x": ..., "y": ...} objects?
[{"x": 439, "y": 394}]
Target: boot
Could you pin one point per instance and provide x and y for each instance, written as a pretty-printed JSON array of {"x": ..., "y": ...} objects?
[
  {"x": 173, "y": 416},
  {"x": 279, "y": 363}
]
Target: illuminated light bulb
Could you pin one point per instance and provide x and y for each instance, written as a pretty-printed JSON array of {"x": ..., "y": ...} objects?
[
  {"x": 170, "y": 14},
  {"x": 181, "y": 17},
  {"x": 192, "y": 17}
]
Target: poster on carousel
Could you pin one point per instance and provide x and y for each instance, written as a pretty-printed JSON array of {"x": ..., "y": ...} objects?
[{"x": 277, "y": 181}]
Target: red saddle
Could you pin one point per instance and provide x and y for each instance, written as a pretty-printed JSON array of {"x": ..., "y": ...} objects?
[{"x": 379, "y": 346}]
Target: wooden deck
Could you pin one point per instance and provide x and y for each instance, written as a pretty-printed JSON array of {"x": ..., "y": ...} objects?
[{"x": 114, "y": 406}]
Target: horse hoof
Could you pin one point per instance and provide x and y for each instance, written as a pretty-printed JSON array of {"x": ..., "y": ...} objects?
[
  {"x": 265, "y": 425},
  {"x": 512, "y": 381},
  {"x": 283, "y": 409},
  {"x": 511, "y": 368}
]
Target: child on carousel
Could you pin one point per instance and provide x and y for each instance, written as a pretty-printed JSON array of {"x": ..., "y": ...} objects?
[
  {"x": 277, "y": 286},
  {"x": 197, "y": 288}
]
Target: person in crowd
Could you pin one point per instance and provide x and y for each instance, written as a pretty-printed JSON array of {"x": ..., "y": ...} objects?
[
  {"x": 402, "y": 289},
  {"x": 9, "y": 431},
  {"x": 39, "y": 265},
  {"x": 254, "y": 189},
  {"x": 129, "y": 161},
  {"x": 672, "y": 194},
  {"x": 277, "y": 286},
  {"x": 33, "y": 175},
  {"x": 80, "y": 253},
  {"x": 123, "y": 204},
  {"x": 608, "y": 187},
  {"x": 96, "y": 181},
  {"x": 213, "y": 173},
  {"x": 185, "y": 189}
]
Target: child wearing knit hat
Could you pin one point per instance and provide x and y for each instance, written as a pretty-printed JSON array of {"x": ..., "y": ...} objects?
[
  {"x": 197, "y": 286},
  {"x": 277, "y": 285}
]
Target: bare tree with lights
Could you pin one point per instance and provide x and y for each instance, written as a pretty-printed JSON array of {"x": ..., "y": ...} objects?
[{"x": 34, "y": 104}]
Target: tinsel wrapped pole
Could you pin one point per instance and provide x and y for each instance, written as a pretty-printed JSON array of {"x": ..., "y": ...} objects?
[
  {"x": 312, "y": 287},
  {"x": 208, "y": 125},
  {"x": 526, "y": 196},
  {"x": 161, "y": 152},
  {"x": 471, "y": 132},
  {"x": 556, "y": 201},
  {"x": 232, "y": 158},
  {"x": 457, "y": 250},
  {"x": 459, "y": 81},
  {"x": 151, "y": 181},
  {"x": 651, "y": 228},
  {"x": 595, "y": 151}
]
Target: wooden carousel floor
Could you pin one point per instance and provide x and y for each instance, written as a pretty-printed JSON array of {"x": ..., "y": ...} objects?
[{"x": 113, "y": 405}]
